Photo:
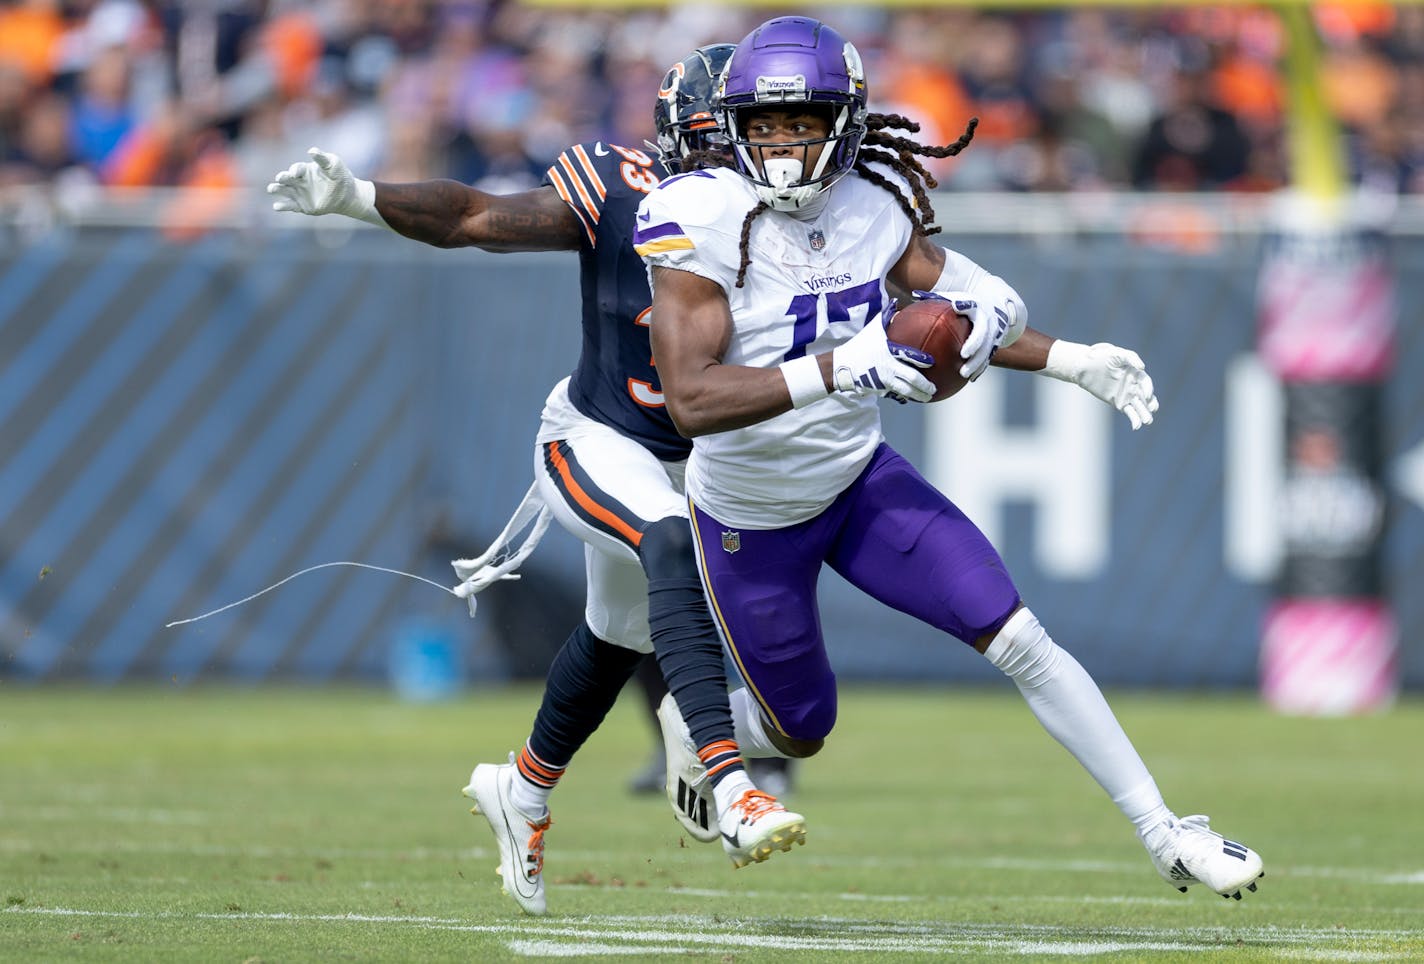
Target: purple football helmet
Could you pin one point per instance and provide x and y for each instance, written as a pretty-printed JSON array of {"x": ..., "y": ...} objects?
[
  {"x": 786, "y": 62},
  {"x": 683, "y": 113}
]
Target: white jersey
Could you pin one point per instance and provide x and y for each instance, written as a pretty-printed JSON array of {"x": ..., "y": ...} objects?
[{"x": 810, "y": 287}]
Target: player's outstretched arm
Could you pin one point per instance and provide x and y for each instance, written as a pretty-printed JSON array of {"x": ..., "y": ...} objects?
[
  {"x": 449, "y": 214},
  {"x": 1115, "y": 375},
  {"x": 442, "y": 213}
]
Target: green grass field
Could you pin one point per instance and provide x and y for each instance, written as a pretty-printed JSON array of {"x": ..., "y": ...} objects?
[{"x": 294, "y": 825}]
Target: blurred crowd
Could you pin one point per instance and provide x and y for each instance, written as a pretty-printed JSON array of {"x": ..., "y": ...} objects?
[{"x": 120, "y": 93}]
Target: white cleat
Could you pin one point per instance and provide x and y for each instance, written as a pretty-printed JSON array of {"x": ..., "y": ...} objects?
[
  {"x": 688, "y": 792},
  {"x": 520, "y": 837},
  {"x": 756, "y": 825},
  {"x": 1187, "y": 851}
]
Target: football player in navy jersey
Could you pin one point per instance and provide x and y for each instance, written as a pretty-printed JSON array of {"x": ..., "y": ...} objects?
[{"x": 608, "y": 464}]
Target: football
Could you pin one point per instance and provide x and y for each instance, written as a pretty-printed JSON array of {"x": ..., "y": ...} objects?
[{"x": 935, "y": 327}]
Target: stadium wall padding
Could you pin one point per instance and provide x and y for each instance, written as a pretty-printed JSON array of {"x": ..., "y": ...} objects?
[{"x": 184, "y": 425}]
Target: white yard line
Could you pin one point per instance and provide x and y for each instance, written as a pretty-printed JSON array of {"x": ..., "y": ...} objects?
[
  {"x": 259, "y": 851},
  {"x": 581, "y": 937}
]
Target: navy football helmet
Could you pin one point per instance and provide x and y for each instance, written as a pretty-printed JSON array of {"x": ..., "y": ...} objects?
[
  {"x": 790, "y": 62},
  {"x": 683, "y": 115}
]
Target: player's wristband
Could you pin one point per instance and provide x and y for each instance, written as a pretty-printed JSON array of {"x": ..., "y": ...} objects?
[
  {"x": 1065, "y": 360},
  {"x": 364, "y": 207},
  {"x": 803, "y": 379}
]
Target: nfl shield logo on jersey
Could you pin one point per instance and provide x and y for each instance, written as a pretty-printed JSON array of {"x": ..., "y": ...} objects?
[
  {"x": 818, "y": 240},
  {"x": 731, "y": 540}
]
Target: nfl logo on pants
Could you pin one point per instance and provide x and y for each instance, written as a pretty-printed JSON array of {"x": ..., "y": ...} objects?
[{"x": 731, "y": 540}]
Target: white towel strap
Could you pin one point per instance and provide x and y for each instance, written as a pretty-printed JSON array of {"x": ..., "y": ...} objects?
[{"x": 500, "y": 561}]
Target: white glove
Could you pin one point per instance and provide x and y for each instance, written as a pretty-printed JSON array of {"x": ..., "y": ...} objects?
[
  {"x": 325, "y": 185},
  {"x": 1116, "y": 375},
  {"x": 988, "y": 325},
  {"x": 869, "y": 364}
]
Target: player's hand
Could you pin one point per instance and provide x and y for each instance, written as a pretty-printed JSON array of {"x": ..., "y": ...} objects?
[
  {"x": 1115, "y": 375},
  {"x": 988, "y": 324},
  {"x": 324, "y": 185},
  {"x": 871, "y": 364}
]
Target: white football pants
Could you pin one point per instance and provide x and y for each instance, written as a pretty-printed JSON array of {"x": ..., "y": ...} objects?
[{"x": 605, "y": 488}]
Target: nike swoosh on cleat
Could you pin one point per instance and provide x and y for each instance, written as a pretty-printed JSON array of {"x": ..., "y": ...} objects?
[
  {"x": 514, "y": 846},
  {"x": 734, "y": 839},
  {"x": 523, "y": 875}
]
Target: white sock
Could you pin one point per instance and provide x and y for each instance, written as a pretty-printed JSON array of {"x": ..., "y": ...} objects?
[
  {"x": 528, "y": 798},
  {"x": 730, "y": 790},
  {"x": 1072, "y": 709},
  {"x": 749, "y": 732}
]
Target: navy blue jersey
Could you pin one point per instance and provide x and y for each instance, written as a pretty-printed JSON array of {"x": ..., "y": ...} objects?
[{"x": 615, "y": 382}]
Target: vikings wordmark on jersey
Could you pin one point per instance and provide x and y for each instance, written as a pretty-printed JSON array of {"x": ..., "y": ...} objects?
[{"x": 810, "y": 287}]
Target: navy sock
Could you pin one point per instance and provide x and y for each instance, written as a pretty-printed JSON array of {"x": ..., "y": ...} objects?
[
  {"x": 583, "y": 684},
  {"x": 653, "y": 686},
  {"x": 684, "y": 635}
]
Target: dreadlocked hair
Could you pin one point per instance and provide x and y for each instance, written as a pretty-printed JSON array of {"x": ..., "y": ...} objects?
[
  {"x": 752, "y": 215},
  {"x": 898, "y": 153},
  {"x": 901, "y": 155},
  {"x": 704, "y": 158}
]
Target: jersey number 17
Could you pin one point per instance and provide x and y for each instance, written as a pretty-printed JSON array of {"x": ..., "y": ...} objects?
[{"x": 805, "y": 309}]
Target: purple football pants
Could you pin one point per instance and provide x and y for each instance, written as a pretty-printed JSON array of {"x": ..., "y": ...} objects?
[{"x": 890, "y": 534}]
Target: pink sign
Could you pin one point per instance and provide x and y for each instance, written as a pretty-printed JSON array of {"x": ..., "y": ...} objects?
[{"x": 1329, "y": 657}]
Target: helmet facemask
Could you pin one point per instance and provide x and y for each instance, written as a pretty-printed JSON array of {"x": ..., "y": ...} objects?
[
  {"x": 687, "y": 146},
  {"x": 789, "y": 183}
]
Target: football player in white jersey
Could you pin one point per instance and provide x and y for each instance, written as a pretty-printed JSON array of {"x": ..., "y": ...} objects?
[{"x": 769, "y": 300}]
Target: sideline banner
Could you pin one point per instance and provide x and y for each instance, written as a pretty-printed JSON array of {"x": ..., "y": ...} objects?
[{"x": 1327, "y": 315}]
